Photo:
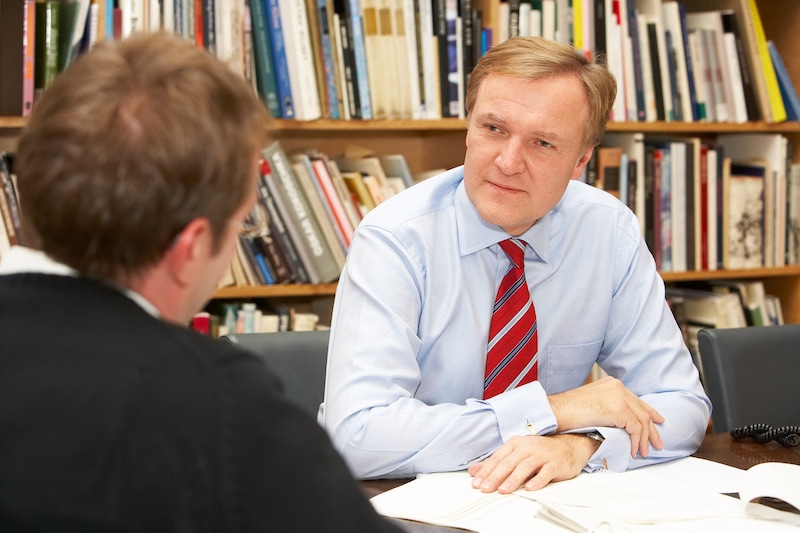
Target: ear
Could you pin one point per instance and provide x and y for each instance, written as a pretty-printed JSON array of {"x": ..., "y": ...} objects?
[
  {"x": 189, "y": 254},
  {"x": 582, "y": 162}
]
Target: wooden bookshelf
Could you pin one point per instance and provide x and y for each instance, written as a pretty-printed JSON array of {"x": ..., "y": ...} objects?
[{"x": 430, "y": 144}]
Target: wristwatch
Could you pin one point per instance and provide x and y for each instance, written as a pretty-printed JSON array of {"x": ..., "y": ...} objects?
[{"x": 595, "y": 435}]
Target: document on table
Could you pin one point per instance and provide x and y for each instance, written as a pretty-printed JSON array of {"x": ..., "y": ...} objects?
[{"x": 646, "y": 499}]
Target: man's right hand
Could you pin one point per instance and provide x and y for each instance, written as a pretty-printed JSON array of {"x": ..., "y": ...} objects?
[{"x": 606, "y": 402}]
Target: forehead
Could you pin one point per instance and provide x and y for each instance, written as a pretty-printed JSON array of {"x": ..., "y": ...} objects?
[{"x": 555, "y": 103}]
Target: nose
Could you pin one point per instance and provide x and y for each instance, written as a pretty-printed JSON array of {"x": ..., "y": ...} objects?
[{"x": 509, "y": 159}]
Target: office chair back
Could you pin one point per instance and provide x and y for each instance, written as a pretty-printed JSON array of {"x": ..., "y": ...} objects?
[
  {"x": 751, "y": 375},
  {"x": 299, "y": 358}
]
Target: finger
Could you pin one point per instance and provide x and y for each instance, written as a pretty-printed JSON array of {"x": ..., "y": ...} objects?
[
  {"x": 522, "y": 473},
  {"x": 543, "y": 477},
  {"x": 491, "y": 469},
  {"x": 655, "y": 437}
]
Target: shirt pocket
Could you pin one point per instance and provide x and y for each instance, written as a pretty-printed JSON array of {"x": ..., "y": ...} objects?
[{"x": 568, "y": 365}]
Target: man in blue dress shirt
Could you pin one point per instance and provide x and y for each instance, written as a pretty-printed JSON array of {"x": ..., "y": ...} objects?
[{"x": 404, "y": 391}]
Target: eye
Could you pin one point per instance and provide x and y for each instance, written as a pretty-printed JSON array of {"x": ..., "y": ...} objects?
[{"x": 544, "y": 144}]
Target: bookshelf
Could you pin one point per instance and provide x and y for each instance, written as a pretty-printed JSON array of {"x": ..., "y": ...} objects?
[{"x": 429, "y": 144}]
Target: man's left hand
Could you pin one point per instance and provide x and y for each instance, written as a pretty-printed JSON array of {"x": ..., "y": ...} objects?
[{"x": 533, "y": 461}]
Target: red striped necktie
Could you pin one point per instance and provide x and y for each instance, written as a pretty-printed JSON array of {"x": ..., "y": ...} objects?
[{"x": 511, "y": 358}]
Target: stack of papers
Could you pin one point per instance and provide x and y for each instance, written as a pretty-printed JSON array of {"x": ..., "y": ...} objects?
[{"x": 685, "y": 495}]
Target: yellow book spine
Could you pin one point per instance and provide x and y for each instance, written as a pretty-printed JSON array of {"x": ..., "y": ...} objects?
[{"x": 773, "y": 90}]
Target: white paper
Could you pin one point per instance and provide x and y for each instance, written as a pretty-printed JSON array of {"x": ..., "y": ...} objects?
[{"x": 646, "y": 499}]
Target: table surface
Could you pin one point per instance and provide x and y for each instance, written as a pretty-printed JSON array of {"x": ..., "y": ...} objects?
[{"x": 719, "y": 447}]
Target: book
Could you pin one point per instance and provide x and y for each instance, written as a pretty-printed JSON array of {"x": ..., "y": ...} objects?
[
  {"x": 258, "y": 229},
  {"x": 788, "y": 92},
  {"x": 46, "y": 47},
  {"x": 280, "y": 60},
  {"x": 650, "y": 111},
  {"x": 266, "y": 77},
  {"x": 702, "y": 74},
  {"x": 773, "y": 90},
  {"x": 674, "y": 25},
  {"x": 609, "y": 160},
  {"x": 364, "y": 160},
  {"x": 441, "y": 59},
  {"x": 428, "y": 53},
  {"x": 658, "y": 56},
  {"x": 300, "y": 59},
  {"x": 632, "y": 144},
  {"x": 311, "y": 237},
  {"x": 731, "y": 55},
  {"x": 71, "y": 25},
  {"x": 710, "y": 23},
  {"x": 772, "y": 150},
  {"x": 291, "y": 239},
  {"x": 730, "y": 26},
  {"x": 745, "y": 237},
  {"x": 278, "y": 230},
  {"x": 17, "y": 34},
  {"x": 356, "y": 28},
  {"x": 707, "y": 308},
  {"x": 318, "y": 60},
  {"x": 744, "y": 19},
  {"x": 320, "y": 209},
  {"x": 347, "y": 64},
  {"x": 327, "y": 53},
  {"x": 333, "y": 199},
  {"x": 396, "y": 165},
  {"x": 8, "y": 191},
  {"x": 355, "y": 182},
  {"x": 377, "y": 34}
]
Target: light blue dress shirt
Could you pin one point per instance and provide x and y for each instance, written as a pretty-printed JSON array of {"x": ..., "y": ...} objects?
[{"x": 411, "y": 319}]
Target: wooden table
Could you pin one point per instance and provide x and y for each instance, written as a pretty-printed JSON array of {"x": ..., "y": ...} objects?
[{"x": 719, "y": 447}]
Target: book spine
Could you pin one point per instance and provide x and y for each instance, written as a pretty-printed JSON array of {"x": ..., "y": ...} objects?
[
  {"x": 279, "y": 267},
  {"x": 302, "y": 255},
  {"x": 28, "y": 59},
  {"x": 429, "y": 95},
  {"x": 210, "y": 26},
  {"x": 275, "y": 31},
  {"x": 327, "y": 51},
  {"x": 310, "y": 232},
  {"x": 751, "y": 103},
  {"x": 278, "y": 230},
  {"x": 350, "y": 77},
  {"x": 440, "y": 32},
  {"x": 359, "y": 50},
  {"x": 266, "y": 79},
  {"x": 319, "y": 210},
  {"x": 300, "y": 59},
  {"x": 773, "y": 91}
]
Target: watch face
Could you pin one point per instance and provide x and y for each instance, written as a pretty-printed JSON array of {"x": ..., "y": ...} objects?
[{"x": 596, "y": 436}]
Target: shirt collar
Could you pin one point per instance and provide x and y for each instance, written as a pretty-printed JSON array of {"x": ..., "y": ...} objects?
[
  {"x": 475, "y": 234},
  {"x": 20, "y": 259}
]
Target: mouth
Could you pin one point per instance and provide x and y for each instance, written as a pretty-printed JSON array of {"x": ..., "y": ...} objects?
[{"x": 503, "y": 188}]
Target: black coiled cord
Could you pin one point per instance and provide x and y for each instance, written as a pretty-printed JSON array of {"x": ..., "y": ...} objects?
[{"x": 786, "y": 436}]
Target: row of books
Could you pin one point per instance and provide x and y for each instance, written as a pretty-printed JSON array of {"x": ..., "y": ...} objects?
[
  {"x": 247, "y": 317},
  {"x": 370, "y": 59},
  {"x": 679, "y": 60},
  {"x": 674, "y": 61},
  {"x": 721, "y": 304},
  {"x": 728, "y": 203},
  {"x": 365, "y": 59},
  {"x": 309, "y": 205},
  {"x": 39, "y": 39},
  {"x": 10, "y": 213}
]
